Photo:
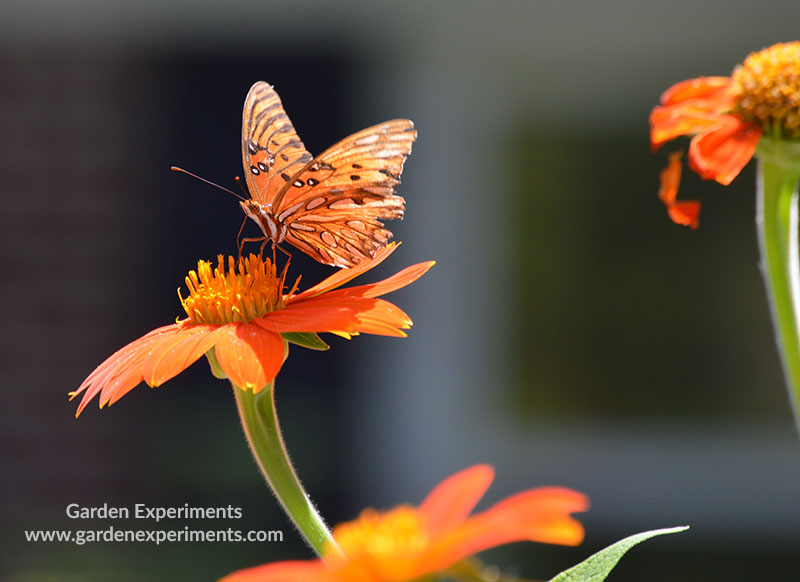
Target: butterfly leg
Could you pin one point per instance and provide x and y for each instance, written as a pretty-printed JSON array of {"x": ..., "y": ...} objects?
[
  {"x": 283, "y": 250},
  {"x": 239, "y": 241},
  {"x": 262, "y": 239}
]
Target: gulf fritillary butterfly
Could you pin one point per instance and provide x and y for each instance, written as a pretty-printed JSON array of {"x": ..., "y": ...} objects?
[{"x": 329, "y": 206}]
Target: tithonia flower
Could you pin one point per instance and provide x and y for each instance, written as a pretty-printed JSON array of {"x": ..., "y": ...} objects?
[
  {"x": 239, "y": 309},
  {"x": 727, "y": 117},
  {"x": 412, "y": 543}
]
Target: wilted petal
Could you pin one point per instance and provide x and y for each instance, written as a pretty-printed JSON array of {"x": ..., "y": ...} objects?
[
  {"x": 670, "y": 179},
  {"x": 684, "y": 212}
]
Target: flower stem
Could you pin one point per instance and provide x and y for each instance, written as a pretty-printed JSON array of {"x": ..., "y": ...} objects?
[
  {"x": 777, "y": 223},
  {"x": 260, "y": 423}
]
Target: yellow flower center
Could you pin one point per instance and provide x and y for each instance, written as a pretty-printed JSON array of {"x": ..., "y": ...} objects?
[
  {"x": 383, "y": 535},
  {"x": 246, "y": 289},
  {"x": 767, "y": 85}
]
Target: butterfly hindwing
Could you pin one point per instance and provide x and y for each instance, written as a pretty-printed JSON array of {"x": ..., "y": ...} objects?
[
  {"x": 271, "y": 148},
  {"x": 348, "y": 231},
  {"x": 333, "y": 207}
]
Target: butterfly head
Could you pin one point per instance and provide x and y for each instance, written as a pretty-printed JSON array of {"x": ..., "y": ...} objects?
[
  {"x": 254, "y": 209},
  {"x": 261, "y": 214}
]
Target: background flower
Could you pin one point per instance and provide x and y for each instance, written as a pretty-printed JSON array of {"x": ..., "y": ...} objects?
[
  {"x": 727, "y": 116},
  {"x": 407, "y": 543}
]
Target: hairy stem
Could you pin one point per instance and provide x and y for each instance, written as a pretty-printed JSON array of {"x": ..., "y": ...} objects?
[{"x": 777, "y": 223}]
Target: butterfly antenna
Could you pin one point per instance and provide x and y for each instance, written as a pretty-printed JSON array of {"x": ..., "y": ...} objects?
[
  {"x": 209, "y": 182},
  {"x": 243, "y": 189}
]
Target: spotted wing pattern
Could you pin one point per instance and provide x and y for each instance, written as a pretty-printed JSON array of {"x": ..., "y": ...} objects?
[
  {"x": 332, "y": 205},
  {"x": 271, "y": 147}
]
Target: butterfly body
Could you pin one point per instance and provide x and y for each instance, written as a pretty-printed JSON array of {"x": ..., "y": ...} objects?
[
  {"x": 330, "y": 206},
  {"x": 272, "y": 228}
]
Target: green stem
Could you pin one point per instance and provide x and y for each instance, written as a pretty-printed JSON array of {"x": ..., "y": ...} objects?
[
  {"x": 260, "y": 423},
  {"x": 777, "y": 222}
]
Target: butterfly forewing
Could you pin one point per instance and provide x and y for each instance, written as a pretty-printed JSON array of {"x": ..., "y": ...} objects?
[
  {"x": 271, "y": 148},
  {"x": 331, "y": 206}
]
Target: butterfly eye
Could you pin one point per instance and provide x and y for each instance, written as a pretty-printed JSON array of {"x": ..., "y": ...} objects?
[{"x": 250, "y": 207}]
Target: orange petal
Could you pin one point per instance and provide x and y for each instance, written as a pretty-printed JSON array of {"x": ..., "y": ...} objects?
[
  {"x": 540, "y": 515},
  {"x": 393, "y": 283},
  {"x": 249, "y": 355},
  {"x": 668, "y": 123},
  {"x": 686, "y": 213},
  {"x": 699, "y": 88},
  {"x": 122, "y": 371},
  {"x": 178, "y": 353},
  {"x": 344, "y": 275},
  {"x": 720, "y": 154},
  {"x": 670, "y": 179},
  {"x": 375, "y": 316},
  {"x": 453, "y": 499},
  {"x": 383, "y": 318},
  {"x": 292, "y": 571},
  {"x": 308, "y": 316}
]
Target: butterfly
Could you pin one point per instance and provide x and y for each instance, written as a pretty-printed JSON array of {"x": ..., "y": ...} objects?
[{"x": 329, "y": 206}]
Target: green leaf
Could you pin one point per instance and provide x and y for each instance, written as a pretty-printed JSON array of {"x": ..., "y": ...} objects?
[
  {"x": 306, "y": 339},
  {"x": 597, "y": 567}
]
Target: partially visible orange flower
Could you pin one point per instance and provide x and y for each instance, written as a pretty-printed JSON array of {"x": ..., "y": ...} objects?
[
  {"x": 241, "y": 311},
  {"x": 686, "y": 212},
  {"x": 727, "y": 116},
  {"x": 408, "y": 543}
]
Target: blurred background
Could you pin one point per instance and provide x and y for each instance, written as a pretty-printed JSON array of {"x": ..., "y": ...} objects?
[{"x": 569, "y": 334}]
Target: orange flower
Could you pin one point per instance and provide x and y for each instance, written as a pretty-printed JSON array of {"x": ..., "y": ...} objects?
[
  {"x": 407, "y": 543},
  {"x": 726, "y": 117},
  {"x": 240, "y": 312}
]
